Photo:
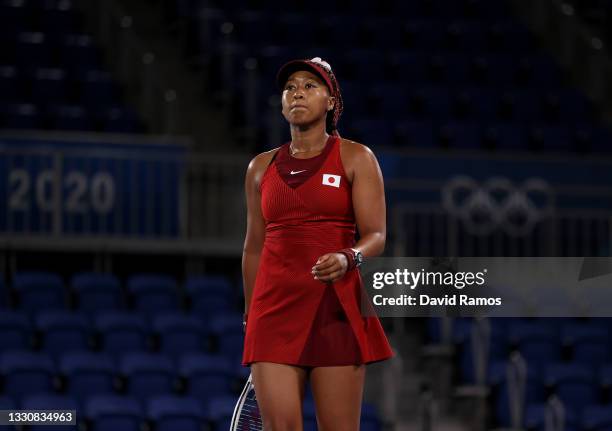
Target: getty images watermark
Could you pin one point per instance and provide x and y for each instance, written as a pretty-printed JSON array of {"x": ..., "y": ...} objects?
[{"x": 488, "y": 286}]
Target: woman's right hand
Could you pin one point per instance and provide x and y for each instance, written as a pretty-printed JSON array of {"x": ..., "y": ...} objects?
[{"x": 330, "y": 267}]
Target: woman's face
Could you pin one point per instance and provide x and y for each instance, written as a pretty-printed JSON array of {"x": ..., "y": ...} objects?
[{"x": 305, "y": 99}]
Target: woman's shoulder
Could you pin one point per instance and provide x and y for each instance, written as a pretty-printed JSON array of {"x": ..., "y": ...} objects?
[
  {"x": 354, "y": 151},
  {"x": 260, "y": 162}
]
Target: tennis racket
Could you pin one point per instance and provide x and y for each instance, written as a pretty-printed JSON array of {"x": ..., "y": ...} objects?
[{"x": 246, "y": 415}]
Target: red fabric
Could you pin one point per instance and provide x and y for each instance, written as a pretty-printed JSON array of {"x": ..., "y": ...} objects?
[
  {"x": 294, "y": 171},
  {"x": 293, "y": 318}
]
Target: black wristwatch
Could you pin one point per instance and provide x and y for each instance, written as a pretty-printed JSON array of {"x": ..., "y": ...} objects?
[{"x": 357, "y": 258}]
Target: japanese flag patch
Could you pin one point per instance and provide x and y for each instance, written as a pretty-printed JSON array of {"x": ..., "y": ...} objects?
[{"x": 331, "y": 180}]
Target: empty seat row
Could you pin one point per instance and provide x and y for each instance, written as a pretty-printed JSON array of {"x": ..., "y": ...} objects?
[
  {"x": 472, "y": 135},
  {"x": 55, "y": 17},
  {"x": 108, "y": 118},
  {"x": 28, "y": 49},
  {"x": 141, "y": 374},
  {"x": 144, "y": 292},
  {"x": 53, "y": 85},
  {"x": 119, "y": 331},
  {"x": 479, "y": 104},
  {"x": 164, "y": 412},
  {"x": 581, "y": 390},
  {"x": 255, "y": 28}
]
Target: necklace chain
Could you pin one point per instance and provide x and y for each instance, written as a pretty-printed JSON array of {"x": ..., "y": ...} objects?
[{"x": 294, "y": 151}]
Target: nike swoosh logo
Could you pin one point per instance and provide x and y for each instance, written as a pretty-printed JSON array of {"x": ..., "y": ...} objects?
[{"x": 297, "y": 172}]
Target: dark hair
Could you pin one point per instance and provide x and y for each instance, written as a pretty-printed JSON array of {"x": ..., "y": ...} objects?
[{"x": 331, "y": 121}]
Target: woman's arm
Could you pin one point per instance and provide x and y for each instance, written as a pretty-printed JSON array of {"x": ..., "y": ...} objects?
[
  {"x": 369, "y": 202},
  {"x": 370, "y": 212},
  {"x": 255, "y": 230}
]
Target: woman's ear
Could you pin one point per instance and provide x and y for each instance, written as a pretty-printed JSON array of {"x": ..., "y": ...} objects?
[{"x": 331, "y": 102}]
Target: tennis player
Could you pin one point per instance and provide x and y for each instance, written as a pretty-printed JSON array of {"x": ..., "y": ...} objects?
[{"x": 305, "y": 201}]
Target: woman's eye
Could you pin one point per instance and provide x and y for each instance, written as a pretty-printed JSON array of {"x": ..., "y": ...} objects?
[{"x": 309, "y": 85}]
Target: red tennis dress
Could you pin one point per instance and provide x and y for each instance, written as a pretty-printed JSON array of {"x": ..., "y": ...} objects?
[{"x": 294, "y": 318}]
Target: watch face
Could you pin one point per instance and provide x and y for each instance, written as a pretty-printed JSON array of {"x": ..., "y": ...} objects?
[{"x": 358, "y": 258}]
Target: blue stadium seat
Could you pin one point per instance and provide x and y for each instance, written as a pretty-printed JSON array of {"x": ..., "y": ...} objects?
[
  {"x": 382, "y": 31},
  {"x": 179, "y": 333},
  {"x": 13, "y": 17},
  {"x": 170, "y": 413},
  {"x": 113, "y": 412},
  {"x": 120, "y": 120},
  {"x": 597, "y": 418},
  {"x": 253, "y": 27},
  {"x": 605, "y": 375},
  {"x": 292, "y": 29},
  {"x": 20, "y": 116},
  {"x": 535, "y": 417},
  {"x": 432, "y": 101},
  {"x": 477, "y": 103},
  {"x": 352, "y": 98},
  {"x": 372, "y": 132},
  {"x": 574, "y": 384},
  {"x": 79, "y": 54},
  {"x": 209, "y": 293},
  {"x": 63, "y": 331},
  {"x": 451, "y": 68},
  {"x": 4, "y": 293},
  {"x": 523, "y": 105},
  {"x": 426, "y": 34},
  {"x": 205, "y": 374},
  {"x": 363, "y": 64},
  {"x": 153, "y": 292},
  {"x": 548, "y": 137},
  {"x": 7, "y": 403},
  {"x": 121, "y": 331},
  {"x": 26, "y": 372},
  {"x": 147, "y": 374},
  {"x": 536, "y": 342},
  {"x": 370, "y": 419},
  {"x": 602, "y": 140},
  {"x": 32, "y": 49},
  {"x": 96, "y": 291},
  {"x": 39, "y": 290},
  {"x": 220, "y": 409},
  {"x": 309, "y": 414},
  {"x": 413, "y": 134},
  {"x": 59, "y": 18},
  {"x": 589, "y": 343},
  {"x": 70, "y": 117},
  {"x": 507, "y": 35},
  {"x": 507, "y": 136},
  {"x": 9, "y": 83},
  {"x": 87, "y": 373},
  {"x": 97, "y": 87},
  {"x": 227, "y": 329},
  {"x": 462, "y": 135},
  {"x": 49, "y": 85},
  {"x": 388, "y": 100},
  {"x": 334, "y": 32},
  {"x": 15, "y": 330},
  {"x": 48, "y": 401},
  {"x": 409, "y": 66},
  {"x": 497, "y": 379}
]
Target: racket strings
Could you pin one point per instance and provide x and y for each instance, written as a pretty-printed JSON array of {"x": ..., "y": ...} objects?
[{"x": 248, "y": 416}]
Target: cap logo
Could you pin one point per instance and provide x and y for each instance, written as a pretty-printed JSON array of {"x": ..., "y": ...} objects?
[{"x": 322, "y": 63}]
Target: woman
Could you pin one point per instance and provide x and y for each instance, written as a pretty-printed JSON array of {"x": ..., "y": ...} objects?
[{"x": 302, "y": 287}]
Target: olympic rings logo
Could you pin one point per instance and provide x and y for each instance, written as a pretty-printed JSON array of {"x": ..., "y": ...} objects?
[{"x": 498, "y": 204}]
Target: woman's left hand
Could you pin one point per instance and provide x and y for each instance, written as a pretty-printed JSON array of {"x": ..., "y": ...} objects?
[{"x": 330, "y": 267}]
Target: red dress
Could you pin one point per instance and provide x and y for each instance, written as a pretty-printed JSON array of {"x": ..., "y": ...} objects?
[{"x": 293, "y": 318}]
